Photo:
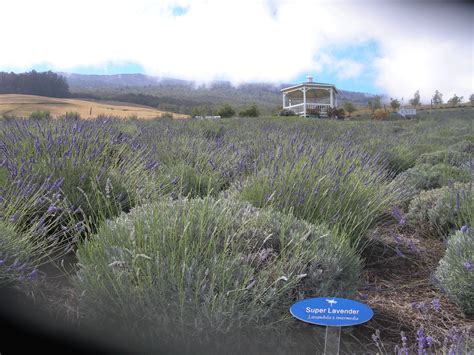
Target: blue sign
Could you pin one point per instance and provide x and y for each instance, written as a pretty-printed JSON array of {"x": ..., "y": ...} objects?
[{"x": 329, "y": 311}]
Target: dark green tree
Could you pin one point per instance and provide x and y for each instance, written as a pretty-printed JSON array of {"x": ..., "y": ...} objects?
[
  {"x": 252, "y": 111},
  {"x": 455, "y": 100},
  {"x": 394, "y": 104},
  {"x": 416, "y": 99},
  {"x": 437, "y": 98},
  {"x": 226, "y": 111},
  {"x": 374, "y": 104},
  {"x": 349, "y": 107}
]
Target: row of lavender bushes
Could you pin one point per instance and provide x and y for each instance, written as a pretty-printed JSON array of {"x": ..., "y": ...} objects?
[{"x": 440, "y": 205}]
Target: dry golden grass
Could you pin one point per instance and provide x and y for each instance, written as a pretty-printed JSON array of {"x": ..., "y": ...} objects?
[{"x": 24, "y": 105}]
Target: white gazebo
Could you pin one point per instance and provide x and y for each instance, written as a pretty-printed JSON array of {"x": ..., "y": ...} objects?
[{"x": 309, "y": 96}]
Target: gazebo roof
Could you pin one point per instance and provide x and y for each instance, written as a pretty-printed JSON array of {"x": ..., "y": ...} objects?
[{"x": 311, "y": 85}]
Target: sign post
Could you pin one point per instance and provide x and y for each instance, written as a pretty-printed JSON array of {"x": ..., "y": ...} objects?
[
  {"x": 332, "y": 340},
  {"x": 333, "y": 313}
]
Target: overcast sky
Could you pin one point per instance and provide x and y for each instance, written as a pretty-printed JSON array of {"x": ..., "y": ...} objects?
[{"x": 390, "y": 47}]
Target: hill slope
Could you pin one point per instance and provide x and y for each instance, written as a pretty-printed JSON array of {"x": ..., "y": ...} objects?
[
  {"x": 182, "y": 96},
  {"x": 24, "y": 105}
]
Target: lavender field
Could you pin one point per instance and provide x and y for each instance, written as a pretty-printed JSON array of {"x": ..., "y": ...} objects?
[{"x": 196, "y": 236}]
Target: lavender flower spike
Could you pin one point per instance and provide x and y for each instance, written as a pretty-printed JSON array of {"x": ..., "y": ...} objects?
[
  {"x": 436, "y": 305},
  {"x": 468, "y": 266}
]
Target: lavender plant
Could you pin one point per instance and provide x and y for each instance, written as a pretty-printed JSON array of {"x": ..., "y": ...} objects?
[
  {"x": 184, "y": 267},
  {"x": 450, "y": 157},
  {"x": 437, "y": 212},
  {"x": 455, "y": 272},
  {"x": 36, "y": 226},
  {"x": 455, "y": 342},
  {"x": 425, "y": 177},
  {"x": 96, "y": 168},
  {"x": 336, "y": 184}
]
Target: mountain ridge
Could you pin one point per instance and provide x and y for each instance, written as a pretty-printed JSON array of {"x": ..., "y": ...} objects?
[{"x": 183, "y": 96}]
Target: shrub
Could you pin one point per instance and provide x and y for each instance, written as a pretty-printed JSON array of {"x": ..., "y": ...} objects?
[
  {"x": 35, "y": 227},
  {"x": 380, "y": 114},
  {"x": 183, "y": 179},
  {"x": 436, "y": 212},
  {"x": 226, "y": 111},
  {"x": 314, "y": 111},
  {"x": 286, "y": 112},
  {"x": 40, "y": 115},
  {"x": 334, "y": 112},
  {"x": 349, "y": 107},
  {"x": 166, "y": 115},
  {"x": 344, "y": 188},
  {"x": 455, "y": 272},
  {"x": 252, "y": 111},
  {"x": 212, "y": 130},
  {"x": 182, "y": 268},
  {"x": 92, "y": 165},
  {"x": 463, "y": 146},
  {"x": 8, "y": 116},
  {"x": 426, "y": 177},
  {"x": 450, "y": 157},
  {"x": 72, "y": 116},
  {"x": 15, "y": 253},
  {"x": 399, "y": 158}
]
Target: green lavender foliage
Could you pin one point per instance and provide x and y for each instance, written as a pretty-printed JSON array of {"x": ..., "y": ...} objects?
[
  {"x": 185, "y": 267},
  {"x": 455, "y": 272},
  {"x": 437, "y": 212}
]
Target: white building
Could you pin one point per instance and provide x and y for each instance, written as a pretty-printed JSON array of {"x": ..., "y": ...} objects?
[{"x": 309, "y": 96}]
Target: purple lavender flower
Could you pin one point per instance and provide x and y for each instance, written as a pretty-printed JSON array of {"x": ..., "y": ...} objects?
[
  {"x": 33, "y": 274},
  {"x": 429, "y": 341},
  {"x": 58, "y": 183},
  {"x": 436, "y": 305},
  {"x": 467, "y": 265},
  {"x": 398, "y": 215},
  {"x": 14, "y": 218},
  {"x": 83, "y": 178},
  {"x": 151, "y": 165},
  {"x": 52, "y": 209},
  {"x": 413, "y": 247},
  {"x": 422, "y": 307},
  {"x": 399, "y": 253},
  {"x": 213, "y": 165},
  {"x": 397, "y": 239},
  {"x": 464, "y": 229},
  {"x": 420, "y": 337}
]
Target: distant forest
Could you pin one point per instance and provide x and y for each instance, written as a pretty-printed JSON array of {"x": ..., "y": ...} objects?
[{"x": 34, "y": 83}]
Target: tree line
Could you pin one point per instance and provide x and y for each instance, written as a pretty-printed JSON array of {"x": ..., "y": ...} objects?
[{"x": 34, "y": 83}]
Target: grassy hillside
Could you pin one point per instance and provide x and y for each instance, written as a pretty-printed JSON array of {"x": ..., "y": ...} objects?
[
  {"x": 183, "y": 96},
  {"x": 24, "y": 105}
]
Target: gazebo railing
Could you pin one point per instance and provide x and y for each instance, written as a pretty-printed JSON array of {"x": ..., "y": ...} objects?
[{"x": 299, "y": 108}]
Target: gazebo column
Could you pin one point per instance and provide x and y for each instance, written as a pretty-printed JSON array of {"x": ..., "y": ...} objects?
[
  {"x": 331, "y": 98},
  {"x": 284, "y": 100},
  {"x": 304, "y": 101}
]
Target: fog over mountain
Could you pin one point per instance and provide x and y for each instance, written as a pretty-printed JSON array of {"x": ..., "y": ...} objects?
[{"x": 182, "y": 96}]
